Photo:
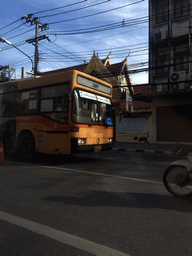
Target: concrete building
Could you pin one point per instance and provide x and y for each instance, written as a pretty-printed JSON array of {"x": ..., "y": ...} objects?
[{"x": 170, "y": 70}]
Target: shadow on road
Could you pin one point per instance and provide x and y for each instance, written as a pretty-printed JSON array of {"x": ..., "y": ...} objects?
[
  {"x": 42, "y": 159},
  {"x": 135, "y": 200}
]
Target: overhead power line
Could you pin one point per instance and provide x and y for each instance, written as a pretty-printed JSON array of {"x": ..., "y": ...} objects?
[
  {"x": 78, "y": 9},
  {"x": 175, "y": 11},
  {"x": 98, "y": 13},
  {"x": 52, "y": 9},
  {"x": 73, "y": 57},
  {"x": 76, "y": 56},
  {"x": 116, "y": 25},
  {"x": 99, "y": 28},
  {"x": 61, "y": 7},
  {"x": 23, "y": 33},
  {"x": 10, "y": 24},
  {"x": 12, "y": 30}
]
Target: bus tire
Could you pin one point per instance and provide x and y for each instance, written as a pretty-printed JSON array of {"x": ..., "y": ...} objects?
[{"x": 26, "y": 146}]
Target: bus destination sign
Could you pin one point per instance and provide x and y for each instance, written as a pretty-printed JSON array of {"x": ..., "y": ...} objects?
[{"x": 93, "y": 85}]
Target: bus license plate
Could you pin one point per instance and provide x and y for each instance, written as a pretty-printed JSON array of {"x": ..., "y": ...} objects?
[{"x": 97, "y": 148}]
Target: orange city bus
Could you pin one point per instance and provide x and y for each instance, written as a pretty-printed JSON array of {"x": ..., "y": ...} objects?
[{"x": 56, "y": 114}]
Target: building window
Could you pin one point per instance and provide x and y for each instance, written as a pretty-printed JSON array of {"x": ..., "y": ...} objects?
[
  {"x": 162, "y": 60},
  {"x": 181, "y": 57},
  {"x": 181, "y": 8},
  {"x": 161, "y": 11}
]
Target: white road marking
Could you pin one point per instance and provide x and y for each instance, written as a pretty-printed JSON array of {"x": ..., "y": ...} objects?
[
  {"x": 65, "y": 238},
  {"x": 144, "y": 150},
  {"x": 91, "y": 173},
  {"x": 101, "y": 174},
  {"x": 138, "y": 161}
]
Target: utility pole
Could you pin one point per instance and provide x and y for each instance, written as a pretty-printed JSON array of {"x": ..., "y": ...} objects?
[
  {"x": 36, "y": 48},
  {"x": 190, "y": 44},
  {"x": 38, "y": 25}
]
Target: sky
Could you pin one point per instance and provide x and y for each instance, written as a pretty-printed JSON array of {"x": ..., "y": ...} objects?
[{"x": 76, "y": 28}]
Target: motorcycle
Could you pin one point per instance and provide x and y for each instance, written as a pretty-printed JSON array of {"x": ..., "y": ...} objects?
[{"x": 177, "y": 177}]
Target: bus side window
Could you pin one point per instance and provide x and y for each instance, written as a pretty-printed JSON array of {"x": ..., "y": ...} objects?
[
  {"x": 47, "y": 105},
  {"x": 61, "y": 103},
  {"x": 27, "y": 102}
]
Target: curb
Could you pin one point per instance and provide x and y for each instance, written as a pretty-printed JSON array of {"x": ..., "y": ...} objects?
[{"x": 144, "y": 151}]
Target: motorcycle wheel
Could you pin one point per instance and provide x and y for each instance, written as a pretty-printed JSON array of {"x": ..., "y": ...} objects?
[{"x": 175, "y": 182}]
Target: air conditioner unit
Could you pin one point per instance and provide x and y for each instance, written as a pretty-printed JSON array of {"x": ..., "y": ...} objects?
[
  {"x": 177, "y": 80},
  {"x": 156, "y": 88},
  {"x": 177, "y": 76}
]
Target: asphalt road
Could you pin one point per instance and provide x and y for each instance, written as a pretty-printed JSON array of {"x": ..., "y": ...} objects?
[{"x": 105, "y": 203}]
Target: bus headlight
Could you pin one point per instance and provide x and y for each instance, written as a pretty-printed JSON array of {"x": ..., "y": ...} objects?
[
  {"x": 110, "y": 140},
  {"x": 81, "y": 141}
]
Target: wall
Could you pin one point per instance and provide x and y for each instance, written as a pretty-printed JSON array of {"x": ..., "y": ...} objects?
[
  {"x": 165, "y": 110},
  {"x": 128, "y": 128}
]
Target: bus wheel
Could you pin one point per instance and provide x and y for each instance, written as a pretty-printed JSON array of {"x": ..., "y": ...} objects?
[{"x": 26, "y": 146}]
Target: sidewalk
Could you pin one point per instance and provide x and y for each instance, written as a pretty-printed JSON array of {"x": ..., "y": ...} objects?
[{"x": 159, "y": 148}]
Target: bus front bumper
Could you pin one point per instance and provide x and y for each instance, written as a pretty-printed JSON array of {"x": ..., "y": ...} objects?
[{"x": 95, "y": 148}]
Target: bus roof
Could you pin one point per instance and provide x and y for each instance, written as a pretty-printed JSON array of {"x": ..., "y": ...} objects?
[
  {"x": 10, "y": 86},
  {"x": 39, "y": 81}
]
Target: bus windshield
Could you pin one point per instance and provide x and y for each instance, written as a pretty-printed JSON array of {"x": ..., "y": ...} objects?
[{"x": 91, "y": 109}]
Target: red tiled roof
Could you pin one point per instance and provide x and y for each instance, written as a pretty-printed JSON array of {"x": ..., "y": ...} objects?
[
  {"x": 115, "y": 68},
  {"x": 141, "y": 89},
  {"x": 140, "y": 104},
  {"x": 103, "y": 61}
]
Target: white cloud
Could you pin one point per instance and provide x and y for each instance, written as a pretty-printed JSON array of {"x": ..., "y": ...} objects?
[{"x": 141, "y": 78}]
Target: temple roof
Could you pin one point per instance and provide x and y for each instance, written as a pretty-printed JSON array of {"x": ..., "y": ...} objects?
[{"x": 114, "y": 69}]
